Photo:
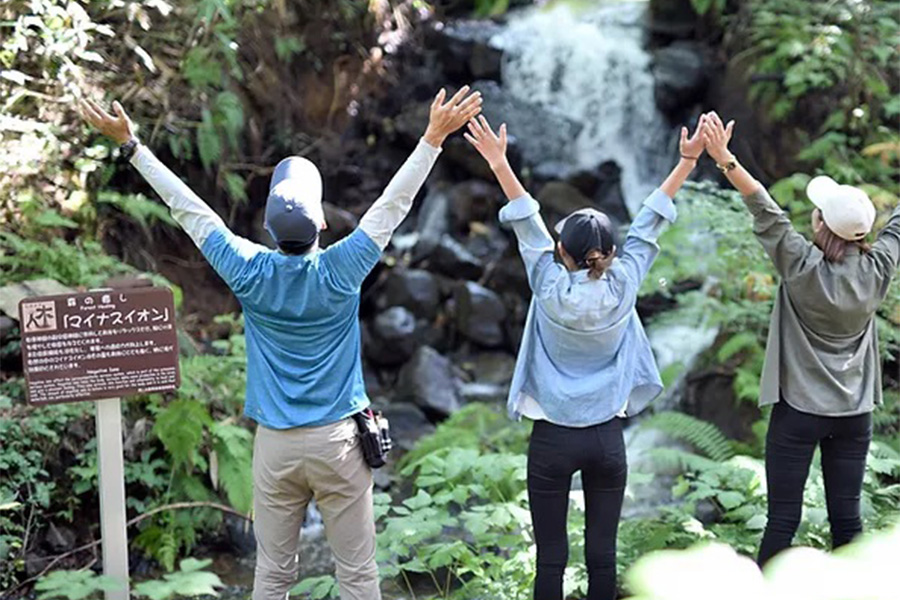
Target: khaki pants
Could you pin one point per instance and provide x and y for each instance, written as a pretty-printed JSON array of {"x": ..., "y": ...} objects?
[{"x": 293, "y": 466}]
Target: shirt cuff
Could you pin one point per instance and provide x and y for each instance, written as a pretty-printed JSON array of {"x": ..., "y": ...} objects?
[
  {"x": 520, "y": 208},
  {"x": 431, "y": 150},
  {"x": 760, "y": 201},
  {"x": 137, "y": 152},
  {"x": 660, "y": 203}
]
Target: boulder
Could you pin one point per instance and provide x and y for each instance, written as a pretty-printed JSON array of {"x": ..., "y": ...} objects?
[
  {"x": 433, "y": 220},
  {"x": 473, "y": 201},
  {"x": 416, "y": 290},
  {"x": 341, "y": 223},
  {"x": 608, "y": 195},
  {"x": 407, "y": 424},
  {"x": 673, "y": 19},
  {"x": 680, "y": 73},
  {"x": 452, "y": 259},
  {"x": 480, "y": 315},
  {"x": 490, "y": 367},
  {"x": 562, "y": 198},
  {"x": 429, "y": 381},
  {"x": 393, "y": 337},
  {"x": 466, "y": 51}
]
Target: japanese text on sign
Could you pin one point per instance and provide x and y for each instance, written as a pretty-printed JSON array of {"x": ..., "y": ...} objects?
[{"x": 99, "y": 345}]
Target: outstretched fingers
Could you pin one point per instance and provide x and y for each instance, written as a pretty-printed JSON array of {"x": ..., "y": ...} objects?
[
  {"x": 439, "y": 99},
  {"x": 487, "y": 127},
  {"x": 458, "y": 96}
]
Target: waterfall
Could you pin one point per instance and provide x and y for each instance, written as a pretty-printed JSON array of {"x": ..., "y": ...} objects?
[{"x": 589, "y": 65}]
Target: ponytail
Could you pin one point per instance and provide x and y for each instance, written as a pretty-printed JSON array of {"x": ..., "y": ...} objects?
[{"x": 597, "y": 263}]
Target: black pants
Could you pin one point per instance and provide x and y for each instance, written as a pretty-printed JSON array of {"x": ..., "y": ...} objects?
[
  {"x": 554, "y": 455},
  {"x": 790, "y": 444}
]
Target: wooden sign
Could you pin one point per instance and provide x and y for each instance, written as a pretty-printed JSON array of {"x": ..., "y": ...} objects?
[{"x": 99, "y": 344}]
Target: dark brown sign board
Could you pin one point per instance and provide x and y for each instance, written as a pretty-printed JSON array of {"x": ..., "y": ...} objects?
[{"x": 100, "y": 344}]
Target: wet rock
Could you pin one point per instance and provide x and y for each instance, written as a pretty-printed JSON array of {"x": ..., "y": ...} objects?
[
  {"x": 480, "y": 314},
  {"x": 608, "y": 195},
  {"x": 416, "y": 290},
  {"x": 508, "y": 274},
  {"x": 408, "y": 423},
  {"x": 452, "y": 259},
  {"x": 429, "y": 381},
  {"x": 540, "y": 135},
  {"x": 673, "y": 19},
  {"x": 341, "y": 223},
  {"x": 487, "y": 243},
  {"x": 466, "y": 51},
  {"x": 491, "y": 367},
  {"x": 433, "y": 220},
  {"x": 393, "y": 337},
  {"x": 562, "y": 198},
  {"x": 240, "y": 535},
  {"x": 709, "y": 395},
  {"x": 59, "y": 538},
  {"x": 8, "y": 327},
  {"x": 680, "y": 75},
  {"x": 473, "y": 201}
]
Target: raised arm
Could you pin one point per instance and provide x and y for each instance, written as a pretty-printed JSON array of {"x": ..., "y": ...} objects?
[
  {"x": 787, "y": 248},
  {"x": 227, "y": 253},
  {"x": 352, "y": 258},
  {"x": 886, "y": 249},
  {"x": 522, "y": 212},
  {"x": 386, "y": 214},
  {"x": 640, "y": 248}
]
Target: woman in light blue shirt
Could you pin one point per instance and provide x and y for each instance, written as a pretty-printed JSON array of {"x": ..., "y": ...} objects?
[{"x": 584, "y": 359}]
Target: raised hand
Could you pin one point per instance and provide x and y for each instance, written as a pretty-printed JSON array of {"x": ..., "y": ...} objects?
[
  {"x": 119, "y": 128},
  {"x": 447, "y": 117},
  {"x": 716, "y": 137},
  {"x": 692, "y": 147},
  {"x": 489, "y": 144}
]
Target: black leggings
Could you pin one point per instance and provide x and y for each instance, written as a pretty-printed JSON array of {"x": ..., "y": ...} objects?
[
  {"x": 790, "y": 444},
  {"x": 554, "y": 455}
]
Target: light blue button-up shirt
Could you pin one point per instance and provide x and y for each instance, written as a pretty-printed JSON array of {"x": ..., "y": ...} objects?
[{"x": 584, "y": 353}]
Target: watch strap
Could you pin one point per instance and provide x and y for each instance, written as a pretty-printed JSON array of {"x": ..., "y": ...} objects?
[
  {"x": 127, "y": 150},
  {"x": 728, "y": 165}
]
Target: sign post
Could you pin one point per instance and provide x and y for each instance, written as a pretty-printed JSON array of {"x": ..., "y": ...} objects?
[
  {"x": 102, "y": 345},
  {"x": 112, "y": 494}
]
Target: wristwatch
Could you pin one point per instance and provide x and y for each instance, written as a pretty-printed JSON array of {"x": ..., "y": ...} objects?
[
  {"x": 728, "y": 165},
  {"x": 127, "y": 150}
]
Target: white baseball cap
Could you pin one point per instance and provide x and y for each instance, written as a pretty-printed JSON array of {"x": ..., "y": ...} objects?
[{"x": 846, "y": 210}]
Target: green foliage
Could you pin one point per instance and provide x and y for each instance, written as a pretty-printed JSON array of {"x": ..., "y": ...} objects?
[
  {"x": 137, "y": 206},
  {"x": 189, "y": 580},
  {"x": 702, "y": 435},
  {"x": 74, "y": 585},
  {"x": 661, "y": 576},
  {"x": 81, "y": 262},
  {"x": 703, "y": 7}
]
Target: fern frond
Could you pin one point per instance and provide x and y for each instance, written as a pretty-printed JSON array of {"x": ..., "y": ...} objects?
[{"x": 702, "y": 435}]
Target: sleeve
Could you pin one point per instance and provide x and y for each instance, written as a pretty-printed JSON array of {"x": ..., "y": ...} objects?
[
  {"x": 349, "y": 261},
  {"x": 886, "y": 248},
  {"x": 535, "y": 243},
  {"x": 787, "y": 248},
  {"x": 386, "y": 214},
  {"x": 229, "y": 255},
  {"x": 640, "y": 248}
]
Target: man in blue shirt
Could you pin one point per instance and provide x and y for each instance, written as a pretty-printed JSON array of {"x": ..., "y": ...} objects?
[{"x": 304, "y": 371}]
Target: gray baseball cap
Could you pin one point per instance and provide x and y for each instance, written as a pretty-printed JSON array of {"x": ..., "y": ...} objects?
[
  {"x": 583, "y": 231},
  {"x": 294, "y": 207}
]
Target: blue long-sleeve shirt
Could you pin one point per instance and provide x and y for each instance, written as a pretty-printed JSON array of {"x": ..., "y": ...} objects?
[{"x": 584, "y": 353}]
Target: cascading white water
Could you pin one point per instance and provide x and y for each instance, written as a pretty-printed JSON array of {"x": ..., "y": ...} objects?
[{"x": 590, "y": 66}]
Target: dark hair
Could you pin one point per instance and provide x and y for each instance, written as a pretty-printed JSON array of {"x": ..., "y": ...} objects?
[
  {"x": 598, "y": 265},
  {"x": 835, "y": 247},
  {"x": 296, "y": 248}
]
